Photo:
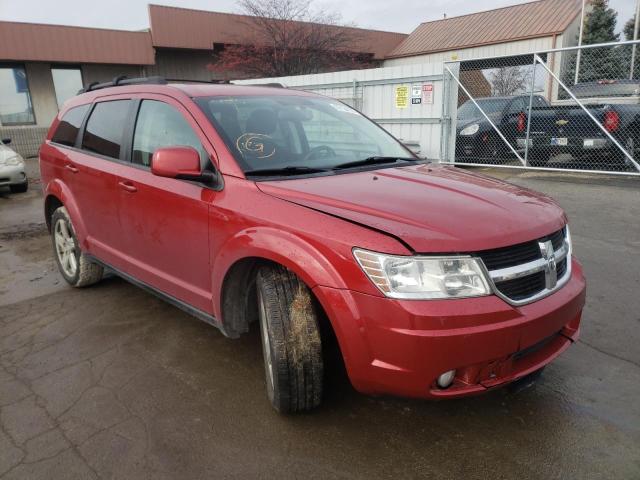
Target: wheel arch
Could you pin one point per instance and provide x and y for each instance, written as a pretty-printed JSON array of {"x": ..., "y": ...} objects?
[
  {"x": 57, "y": 194},
  {"x": 51, "y": 204},
  {"x": 238, "y": 260}
]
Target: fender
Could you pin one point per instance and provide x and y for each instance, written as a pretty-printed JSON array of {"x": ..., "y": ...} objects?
[
  {"x": 60, "y": 190},
  {"x": 289, "y": 250}
]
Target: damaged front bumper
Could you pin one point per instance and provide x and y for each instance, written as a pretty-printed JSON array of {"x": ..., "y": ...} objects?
[{"x": 400, "y": 347}]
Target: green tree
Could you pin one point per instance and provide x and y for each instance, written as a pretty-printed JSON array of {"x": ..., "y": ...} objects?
[
  {"x": 598, "y": 63},
  {"x": 628, "y": 28},
  {"x": 600, "y": 27},
  {"x": 628, "y": 35},
  {"x": 600, "y": 24}
]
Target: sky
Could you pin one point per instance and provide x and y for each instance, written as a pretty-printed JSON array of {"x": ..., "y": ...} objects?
[{"x": 398, "y": 16}]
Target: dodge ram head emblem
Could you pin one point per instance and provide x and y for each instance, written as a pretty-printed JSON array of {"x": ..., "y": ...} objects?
[{"x": 550, "y": 269}]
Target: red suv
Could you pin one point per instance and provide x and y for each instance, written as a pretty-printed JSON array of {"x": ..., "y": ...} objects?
[{"x": 294, "y": 212}]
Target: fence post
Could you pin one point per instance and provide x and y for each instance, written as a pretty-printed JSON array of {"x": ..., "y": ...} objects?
[
  {"x": 526, "y": 138},
  {"x": 444, "y": 125}
]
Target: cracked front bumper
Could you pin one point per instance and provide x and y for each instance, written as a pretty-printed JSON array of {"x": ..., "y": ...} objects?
[{"x": 401, "y": 347}]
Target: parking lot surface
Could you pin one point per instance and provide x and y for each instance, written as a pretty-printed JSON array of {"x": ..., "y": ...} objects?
[{"x": 110, "y": 382}]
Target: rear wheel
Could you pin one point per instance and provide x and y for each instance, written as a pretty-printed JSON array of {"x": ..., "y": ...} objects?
[
  {"x": 622, "y": 161},
  {"x": 291, "y": 342},
  {"x": 74, "y": 265}
]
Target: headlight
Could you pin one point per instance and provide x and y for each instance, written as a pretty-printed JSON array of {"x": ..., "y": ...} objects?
[
  {"x": 11, "y": 161},
  {"x": 470, "y": 130},
  {"x": 424, "y": 277}
]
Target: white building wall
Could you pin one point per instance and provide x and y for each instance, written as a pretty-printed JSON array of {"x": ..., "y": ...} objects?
[{"x": 508, "y": 48}]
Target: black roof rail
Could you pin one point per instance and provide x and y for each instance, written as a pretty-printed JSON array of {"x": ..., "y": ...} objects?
[
  {"x": 186, "y": 80},
  {"x": 122, "y": 80},
  {"x": 272, "y": 85}
]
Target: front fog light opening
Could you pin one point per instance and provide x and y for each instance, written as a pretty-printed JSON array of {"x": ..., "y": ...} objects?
[{"x": 446, "y": 379}]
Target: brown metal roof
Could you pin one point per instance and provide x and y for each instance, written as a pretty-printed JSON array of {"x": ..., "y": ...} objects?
[
  {"x": 57, "y": 43},
  {"x": 174, "y": 27},
  {"x": 518, "y": 22}
]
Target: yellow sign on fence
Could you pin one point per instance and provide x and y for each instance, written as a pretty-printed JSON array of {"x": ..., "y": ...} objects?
[{"x": 402, "y": 96}]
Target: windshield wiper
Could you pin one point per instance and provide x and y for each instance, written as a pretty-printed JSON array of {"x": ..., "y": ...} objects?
[
  {"x": 374, "y": 161},
  {"x": 288, "y": 170}
]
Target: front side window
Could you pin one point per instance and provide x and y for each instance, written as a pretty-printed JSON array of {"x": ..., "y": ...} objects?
[
  {"x": 69, "y": 126},
  {"x": 294, "y": 132},
  {"x": 15, "y": 99},
  {"x": 104, "y": 132},
  {"x": 160, "y": 125},
  {"x": 66, "y": 82}
]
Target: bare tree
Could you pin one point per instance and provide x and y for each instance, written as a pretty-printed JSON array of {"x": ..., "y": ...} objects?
[
  {"x": 290, "y": 38},
  {"x": 507, "y": 81}
]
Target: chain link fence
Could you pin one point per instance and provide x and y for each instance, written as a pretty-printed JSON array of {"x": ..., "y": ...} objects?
[{"x": 574, "y": 108}]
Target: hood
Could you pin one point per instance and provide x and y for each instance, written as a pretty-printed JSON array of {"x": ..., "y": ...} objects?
[
  {"x": 6, "y": 152},
  {"x": 463, "y": 123},
  {"x": 431, "y": 208}
]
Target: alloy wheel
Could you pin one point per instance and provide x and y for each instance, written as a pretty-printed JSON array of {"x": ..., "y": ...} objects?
[{"x": 65, "y": 248}]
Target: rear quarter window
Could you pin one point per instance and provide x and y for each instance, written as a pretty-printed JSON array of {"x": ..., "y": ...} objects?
[
  {"x": 67, "y": 131},
  {"x": 104, "y": 131}
]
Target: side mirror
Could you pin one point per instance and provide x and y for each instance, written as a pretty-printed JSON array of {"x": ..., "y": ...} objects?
[
  {"x": 6, "y": 141},
  {"x": 179, "y": 162}
]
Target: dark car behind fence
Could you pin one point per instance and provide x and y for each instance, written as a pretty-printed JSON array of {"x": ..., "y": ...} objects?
[{"x": 570, "y": 108}]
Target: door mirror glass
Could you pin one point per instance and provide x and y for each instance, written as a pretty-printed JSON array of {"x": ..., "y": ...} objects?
[{"x": 176, "y": 162}]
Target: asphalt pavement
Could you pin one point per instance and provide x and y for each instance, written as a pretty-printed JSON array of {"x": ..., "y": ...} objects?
[{"x": 110, "y": 382}]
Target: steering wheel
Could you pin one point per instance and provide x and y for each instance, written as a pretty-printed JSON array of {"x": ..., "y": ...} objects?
[{"x": 324, "y": 149}]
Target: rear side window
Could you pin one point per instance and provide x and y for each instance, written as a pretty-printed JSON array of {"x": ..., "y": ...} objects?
[
  {"x": 160, "y": 125},
  {"x": 104, "y": 132},
  {"x": 69, "y": 126}
]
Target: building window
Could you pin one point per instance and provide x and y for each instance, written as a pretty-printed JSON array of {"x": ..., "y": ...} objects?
[
  {"x": 66, "y": 82},
  {"x": 15, "y": 101}
]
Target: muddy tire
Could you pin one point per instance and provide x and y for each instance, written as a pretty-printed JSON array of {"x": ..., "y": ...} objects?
[
  {"x": 74, "y": 265},
  {"x": 291, "y": 342}
]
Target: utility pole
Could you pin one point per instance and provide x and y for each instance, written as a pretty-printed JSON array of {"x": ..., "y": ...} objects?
[
  {"x": 635, "y": 37},
  {"x": 575, "y": 80}
]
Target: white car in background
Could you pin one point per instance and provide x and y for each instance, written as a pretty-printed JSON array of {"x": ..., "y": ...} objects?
[{"x": 12, "y": 172}]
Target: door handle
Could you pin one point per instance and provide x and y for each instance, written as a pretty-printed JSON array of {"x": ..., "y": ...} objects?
[
  {"x": 71, "y": 168},
  {"x": 128, "y": 186}
]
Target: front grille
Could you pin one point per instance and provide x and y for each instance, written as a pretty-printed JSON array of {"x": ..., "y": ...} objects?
[
  {"x": 510, "y": 256},
  {"x": 522, "y": 288},
  {"x": 561, "y": 267},
  {"x": 518, "y": 254},
  {"x": 556, "y": 238}
]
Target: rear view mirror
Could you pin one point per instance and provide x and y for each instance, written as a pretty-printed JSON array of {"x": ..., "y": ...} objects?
[
  {"x": 179, "y": 162},
  {"x": 6, "y": 141}
]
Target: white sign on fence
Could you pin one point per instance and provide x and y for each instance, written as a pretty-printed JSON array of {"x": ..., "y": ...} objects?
[{"x": 427, "y": 93}]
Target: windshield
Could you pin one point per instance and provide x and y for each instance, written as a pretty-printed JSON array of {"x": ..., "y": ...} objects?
[
  {"x": 297, "y": 132},
  {"x": 468, "y": 111}
]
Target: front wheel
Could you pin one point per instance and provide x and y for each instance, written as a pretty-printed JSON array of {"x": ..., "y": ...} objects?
[
  {"x": 291, "y": 342},
  {"x": 73, "y": 264},
  {"x": 622, "y": 162}
]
